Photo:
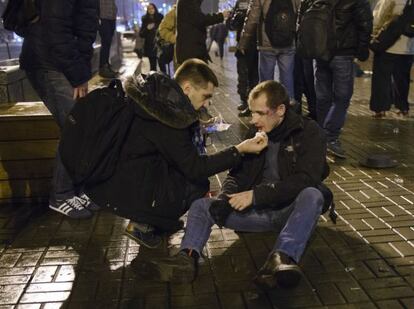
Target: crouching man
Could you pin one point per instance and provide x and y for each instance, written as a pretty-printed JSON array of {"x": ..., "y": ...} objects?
[
  {"x": 161, "y": 169},
  {"x": 275, "y": 190}
]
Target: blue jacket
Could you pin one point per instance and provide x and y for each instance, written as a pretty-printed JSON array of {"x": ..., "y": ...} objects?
[{"x": 62, "y": 39}]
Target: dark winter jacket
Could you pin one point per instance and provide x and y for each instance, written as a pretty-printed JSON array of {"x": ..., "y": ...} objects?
[
  {"x": 159, "y": 160},
  {"x": 191, "y": 30},
  {"x": 301, "y": 161},
  {"x": 149, "y": 34},
  {"x": 255, "y": 24},
  {"x": 62, "y": 39},
  {"x": 353, "y": 26}
]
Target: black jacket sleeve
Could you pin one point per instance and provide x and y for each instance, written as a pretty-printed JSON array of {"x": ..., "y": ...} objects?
[
  {"x": 71, "y": 28},
  {"x": 177, "y": 148},
  {"x": 363, "y": 18},
  {"x": 190, "y": 10}
]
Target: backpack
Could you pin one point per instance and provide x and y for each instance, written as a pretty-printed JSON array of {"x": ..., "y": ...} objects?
[
  {"x": 19, "y": 14},
  {"x": 93, "y": 134},
  {"x": 280, "y": 23},
  {"x": 316, "y": 38}
]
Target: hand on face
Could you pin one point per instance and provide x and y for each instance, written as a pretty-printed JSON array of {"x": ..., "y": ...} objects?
[{"x": 241, "y": 200}]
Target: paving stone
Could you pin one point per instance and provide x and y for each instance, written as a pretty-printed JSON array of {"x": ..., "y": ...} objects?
[
  {"x": 29, "y": 306},
  {"x": 380, "y": 268},
  {"x": 407, "y": 302},
  {"x": 231, "y": 300},
  {"x": 391, "y": 292},
  {"x": 329, "y": 294},
  {"x": 10, "y": 294},
  {"x": 353, "y": 293},
  {"x": 195, "y": 300},
  {"x": 378, "y": 283},
  {"x": 389, "y": 304},
  {"x": 65, "y": 273},
  {"x": 14, "y": 279},
  {"x": 49, "y": 287},
  {"x": 295, "y": 302},
  {"x": 44, "y": 274},
  {"x": 9, "y": 260},
  {"x": 44, "y": 297}
]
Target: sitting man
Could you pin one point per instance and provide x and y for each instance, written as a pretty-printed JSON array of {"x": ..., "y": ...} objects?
[
  {"x": 160, "y": 170},
  {"x": 270, "y": 191}
]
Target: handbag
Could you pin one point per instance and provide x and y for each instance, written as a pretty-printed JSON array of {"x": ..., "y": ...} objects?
[{"x": 400, "y": 25}]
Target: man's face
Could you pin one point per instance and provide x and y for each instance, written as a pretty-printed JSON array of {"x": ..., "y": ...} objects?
[
  {"x": 264, "y": 118},
  {"x": 198, "y": 95}
]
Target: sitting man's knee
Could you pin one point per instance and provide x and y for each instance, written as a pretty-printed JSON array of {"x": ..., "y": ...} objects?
[
  {"x": 312, "y": 196},
  {"x": 201, "y": 205}
]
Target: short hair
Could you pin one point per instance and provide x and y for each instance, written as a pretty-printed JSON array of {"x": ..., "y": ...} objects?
[
  {"x": 197, "y": 72},
  {"x": 275, "y": 93}
]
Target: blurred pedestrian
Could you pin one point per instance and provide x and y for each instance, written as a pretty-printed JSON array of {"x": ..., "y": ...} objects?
[{"x": 150, "y": 22}]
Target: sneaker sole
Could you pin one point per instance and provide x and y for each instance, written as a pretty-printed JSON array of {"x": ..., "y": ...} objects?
[
  {"x": 139, "y": 241},
  {"x": 165, "y": 273},
  {"x": 265, "y": 282},
  {"x": 340, "y": 156},
  {"x": 65, "y": 214}
]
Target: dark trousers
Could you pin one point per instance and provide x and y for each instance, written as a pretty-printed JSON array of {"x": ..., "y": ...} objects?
[
  {"x": 305, "y": 84},
  {"x": 390, "y": 82},
  {"x": 334, "y": 86},
  {"x": 106, "y": 32},
  {"x": 57, "y": 93},
  {"x": 247, "y": 73}
]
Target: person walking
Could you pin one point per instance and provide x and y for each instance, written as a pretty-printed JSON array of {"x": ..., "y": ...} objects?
[{"x": 150, "y": 22}]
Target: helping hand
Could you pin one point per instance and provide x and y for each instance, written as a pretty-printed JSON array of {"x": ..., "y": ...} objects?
[{"x": 253, "y": 145}]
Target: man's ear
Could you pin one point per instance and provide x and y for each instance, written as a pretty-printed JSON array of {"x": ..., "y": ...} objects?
[
  {"x": 281, "y": 110},
  {"x": 186, "y": 87}
]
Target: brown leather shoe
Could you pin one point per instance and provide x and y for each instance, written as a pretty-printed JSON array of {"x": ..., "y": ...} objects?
[{"x": 279, "y": 269}]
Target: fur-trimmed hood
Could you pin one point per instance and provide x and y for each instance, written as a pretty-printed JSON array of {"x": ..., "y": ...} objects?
[{"x": 161, "y": 98}]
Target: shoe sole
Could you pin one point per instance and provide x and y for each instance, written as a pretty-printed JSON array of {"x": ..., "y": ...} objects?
[
  {"x": 66, "y": 215},
  {"x": 139, "y": 241},
  {"x": 288, "y": 277},
  {"x": 340, "y": 156},
  {"x": 265, "y": 282},
  {"x": 165, "y": 273}
]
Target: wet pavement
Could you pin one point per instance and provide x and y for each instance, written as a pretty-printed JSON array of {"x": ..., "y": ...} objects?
[{"x": 366, "y": 260}]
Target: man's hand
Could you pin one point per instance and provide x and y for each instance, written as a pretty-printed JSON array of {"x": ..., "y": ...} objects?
[
  {"x": 253, "y": 145},
  {"x": 80, "y": 91},
  {"x": 242, "y": 200}
]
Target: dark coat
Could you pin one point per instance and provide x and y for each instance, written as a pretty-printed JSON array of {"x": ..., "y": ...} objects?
[
  {"x": 149, "y": 35},
  {"x": 62, "y": 39},
  {"x": 353, "y": 20},
  {"x": 159, "y": 160},
  {"x": 191, "y": 30},
  {"x": 219, "y": 33},
  {"x": 301, "y": 160}
]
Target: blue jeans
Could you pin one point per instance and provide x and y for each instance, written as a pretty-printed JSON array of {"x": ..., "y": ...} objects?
[
  {"x": 295, "y": 223},
  {"x": 334, "y": 86},
  {"x": 285, "y": 60},
  {"x": 57, "y": 94}
]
